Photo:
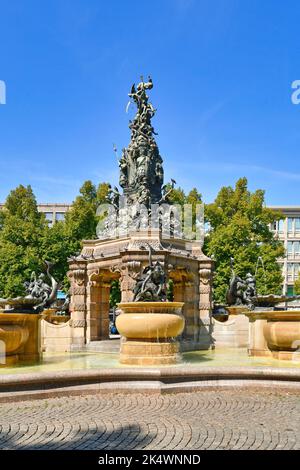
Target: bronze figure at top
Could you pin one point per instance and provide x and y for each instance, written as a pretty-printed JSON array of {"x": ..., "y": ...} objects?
[{"x": 141, "y": 170}]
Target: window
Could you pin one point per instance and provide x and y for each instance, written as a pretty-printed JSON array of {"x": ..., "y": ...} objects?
[
  {"x": 290, "y": 225},
  {"x": 296, "y": 271},
  {"x": 60, "y": 216},
  {"x": 297, "y": 224},
  {"x": 280, "y": 226},
  {"x": 290, "y": 250},
  {"x": 49, "y": 217},
  {"x": 290, "y": 272},
  {"x": 293, "y": 250},
  {"x": 290, "y": 291}
]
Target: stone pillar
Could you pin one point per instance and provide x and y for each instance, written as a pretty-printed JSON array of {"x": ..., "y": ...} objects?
[
  {"x": 191, "y": 306},
  {"x": 104, "y": 309},
  {"x": 205, "y": 305},
  {"x": 93, "y": 309},
  {"x": 178, "y": 276},
  {"x": 77, "y": 276}
]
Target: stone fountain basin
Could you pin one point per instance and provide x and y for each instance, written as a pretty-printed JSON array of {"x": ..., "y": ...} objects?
[
  {"x": 150, "y": 320},
  {"x": 13, "y": 333},
  {"x": 20, "y": 302},
  {"x": 282, "y": 330},
  {"x": 236, "y": 309}
]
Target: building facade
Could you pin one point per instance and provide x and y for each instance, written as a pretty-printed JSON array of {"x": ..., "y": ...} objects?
[
  {"x": 288, "y": 230},
  {"x": 53, "y": 212}
]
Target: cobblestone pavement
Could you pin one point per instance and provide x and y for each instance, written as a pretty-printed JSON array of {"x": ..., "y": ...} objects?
[{"x": 224, "y": 419}]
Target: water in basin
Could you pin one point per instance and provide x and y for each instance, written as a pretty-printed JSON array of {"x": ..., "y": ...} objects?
[{"x": 225, "y": 357}]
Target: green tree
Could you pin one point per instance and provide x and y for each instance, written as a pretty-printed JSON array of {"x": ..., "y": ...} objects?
[
  {"x": 193, "y": 198},
  {"x": 80, "y": 220},
  {"x": 21, "y": 239},
  {"x": 102, "y": 192},
  {"x": 115, "y": 293},
  {"x": 65, "y": 238},
  {"x": 239, "y": 228},
  {"x": 177, "y": 196},
  {"x": 170, "y": 290},
  {"x": 297, "y": 287},
  {"x": 26, "y": 240}
]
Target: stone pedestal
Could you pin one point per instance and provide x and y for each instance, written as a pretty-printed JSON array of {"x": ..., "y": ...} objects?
[
  {"x": 149, "y": 331},
  {"x": 20, "y": 338}
]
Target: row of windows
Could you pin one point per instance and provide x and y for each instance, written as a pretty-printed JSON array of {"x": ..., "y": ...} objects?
[
  {"x": 293, "y": 225},
  {"x": 58, "y": 216}
]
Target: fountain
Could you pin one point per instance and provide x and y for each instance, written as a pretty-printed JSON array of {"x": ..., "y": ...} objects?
[
  {"x": 150, "y": 325},
  {"x": 154, "y": 330},
  {"x": 20, "y": 318},
  {"x": 139, "y": 219},
  {"x": 273, "y": 331}
]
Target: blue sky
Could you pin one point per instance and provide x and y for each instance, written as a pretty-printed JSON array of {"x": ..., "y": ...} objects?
[{"x": 222, "y": 71}]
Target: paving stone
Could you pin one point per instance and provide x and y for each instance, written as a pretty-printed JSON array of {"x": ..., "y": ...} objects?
[{"x": 214, "y": 419}]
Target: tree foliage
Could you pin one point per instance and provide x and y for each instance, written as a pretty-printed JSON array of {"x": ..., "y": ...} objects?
[
  {"x": 65, "y": 238},
  {"x": 115, "y": 293},
  {"x": 297, "y": 287},
  {"x": 240, "y": 228},
  {"x": 26, "y": 240},
  {"x": 22, "y": 229}
]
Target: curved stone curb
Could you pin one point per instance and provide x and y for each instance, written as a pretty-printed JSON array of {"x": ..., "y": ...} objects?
[{"x": 154, "y": 380}]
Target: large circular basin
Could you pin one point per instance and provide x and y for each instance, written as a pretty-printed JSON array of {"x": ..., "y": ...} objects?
[
  {"x": 149, "y": 331},
  {"x": 150, "y": 325},
  {"x": 145, "y": 320}
]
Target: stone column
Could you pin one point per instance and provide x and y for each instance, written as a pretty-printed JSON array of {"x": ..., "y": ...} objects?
[
  {"x": 205, "y": 304},
  {"x": 104, "y": 309},
  {"x": 93, "y": 309},
  {"x": 77, "y": 276},
  {"x": 191, "y": 306}
]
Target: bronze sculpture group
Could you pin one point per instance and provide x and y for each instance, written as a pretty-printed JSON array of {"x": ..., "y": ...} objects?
[
  {"x": 151, "y": 285},
  {"x": 39, "y": 295},
  {"x": 141, "y": 175}
]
